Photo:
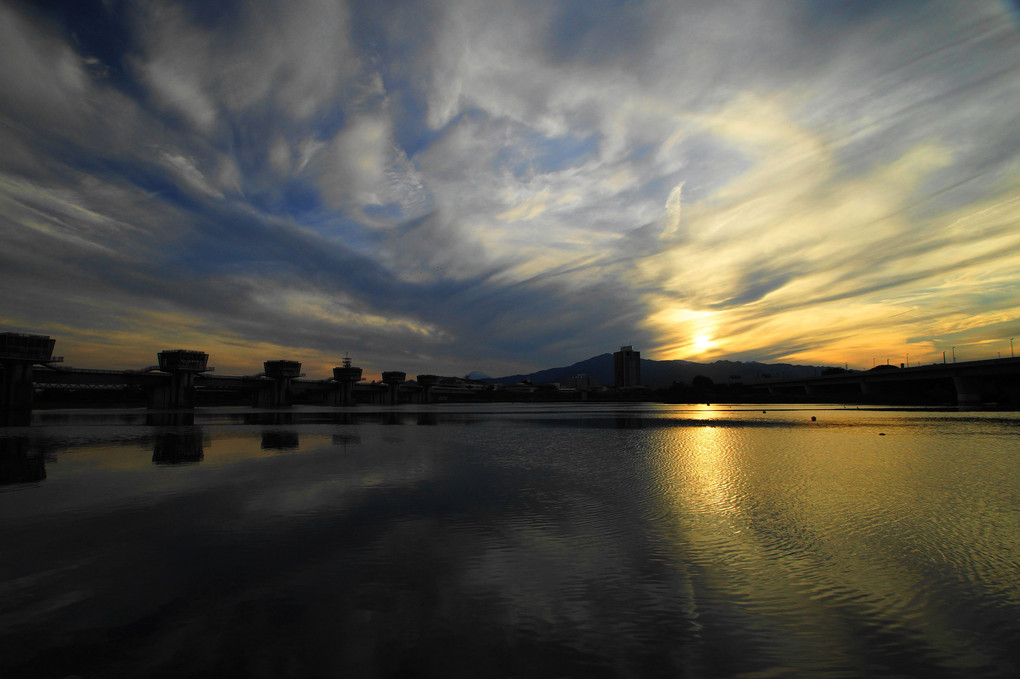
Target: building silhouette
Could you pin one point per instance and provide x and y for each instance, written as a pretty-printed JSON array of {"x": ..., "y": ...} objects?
[{"x": 626, "y": 367}]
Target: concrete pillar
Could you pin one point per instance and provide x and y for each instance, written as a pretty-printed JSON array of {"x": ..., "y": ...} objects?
[
  {"x": 867, "y": 388},
  {"x": 427, "y": 382},
  {"x": 18, "y": 353},
  {"x": 16, "y": 390},
  {"x": 393, "y": 379},
  {"x": 278, "y": 393},
  {"x": 345, "y": 377},
  {"x": 968, "y": 390},
  {"x": 1011, "y": 394},
  {"x": 178, "y": 391}
]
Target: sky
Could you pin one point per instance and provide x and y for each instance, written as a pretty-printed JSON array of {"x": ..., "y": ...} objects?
[{"x": 504, "y": 186}]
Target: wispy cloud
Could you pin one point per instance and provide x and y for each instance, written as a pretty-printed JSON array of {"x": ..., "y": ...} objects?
[{"x": 504, "y": 186}]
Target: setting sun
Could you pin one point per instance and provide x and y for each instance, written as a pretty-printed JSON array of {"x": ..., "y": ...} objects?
[{"x": 702, "y": 343}]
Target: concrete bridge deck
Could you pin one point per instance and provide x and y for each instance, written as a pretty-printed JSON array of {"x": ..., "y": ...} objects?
[{"x": 965, "y": 383}]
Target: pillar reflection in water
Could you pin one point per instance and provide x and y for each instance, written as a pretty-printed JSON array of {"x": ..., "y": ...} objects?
[
  {"x": 15, "y": 418},
  {"x": 280, "y": 440},
  {"x": 19, "y": 463},
  {"x": 178, "y": 447},
  {"x": 344, "y": 440}
]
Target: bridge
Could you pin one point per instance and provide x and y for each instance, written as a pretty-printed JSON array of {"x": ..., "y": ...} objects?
[{"x": 965, "y": 383}]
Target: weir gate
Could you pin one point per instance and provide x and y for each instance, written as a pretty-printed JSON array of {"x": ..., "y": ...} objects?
[{"x": 183, "y": 378}]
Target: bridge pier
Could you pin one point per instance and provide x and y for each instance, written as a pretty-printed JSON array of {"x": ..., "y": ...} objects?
[
  {"x": 16, "y": 391},
  {"x": 427, "y": 382},
  {"x": 279, "y": 393},
  {"x": 393, "y": 379},
  {"x": 968, "y": 390},
  {"x": 18, "y": 353},
  {"x": 869, "y": 388},
  {"x": 183, "y": 365},
  {"x": 345, "y": 378}
]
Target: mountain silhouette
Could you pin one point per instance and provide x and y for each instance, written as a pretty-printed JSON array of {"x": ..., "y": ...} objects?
[{"x": 661, "y": 374}]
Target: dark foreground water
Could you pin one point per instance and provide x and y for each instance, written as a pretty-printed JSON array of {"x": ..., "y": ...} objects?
[{"x": 527, "y": 541}]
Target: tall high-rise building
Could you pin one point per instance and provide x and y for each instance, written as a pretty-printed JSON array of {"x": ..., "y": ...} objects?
[{"x": 626, "y": 367}]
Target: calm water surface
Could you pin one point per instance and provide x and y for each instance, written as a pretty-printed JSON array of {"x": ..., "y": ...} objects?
[{"x": 527, "y": 541}]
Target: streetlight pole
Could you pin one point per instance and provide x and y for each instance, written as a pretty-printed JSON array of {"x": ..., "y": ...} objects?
[{"x": 954, "y": 354}]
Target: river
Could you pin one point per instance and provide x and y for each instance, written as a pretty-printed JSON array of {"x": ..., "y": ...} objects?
[{"x": 539, "y": 540}]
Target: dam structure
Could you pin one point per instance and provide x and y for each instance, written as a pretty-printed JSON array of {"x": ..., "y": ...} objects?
[{"x": 182, "y": 379}]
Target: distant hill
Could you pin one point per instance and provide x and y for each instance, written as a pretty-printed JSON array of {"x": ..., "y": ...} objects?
[{"x": 661, "y": 374}]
